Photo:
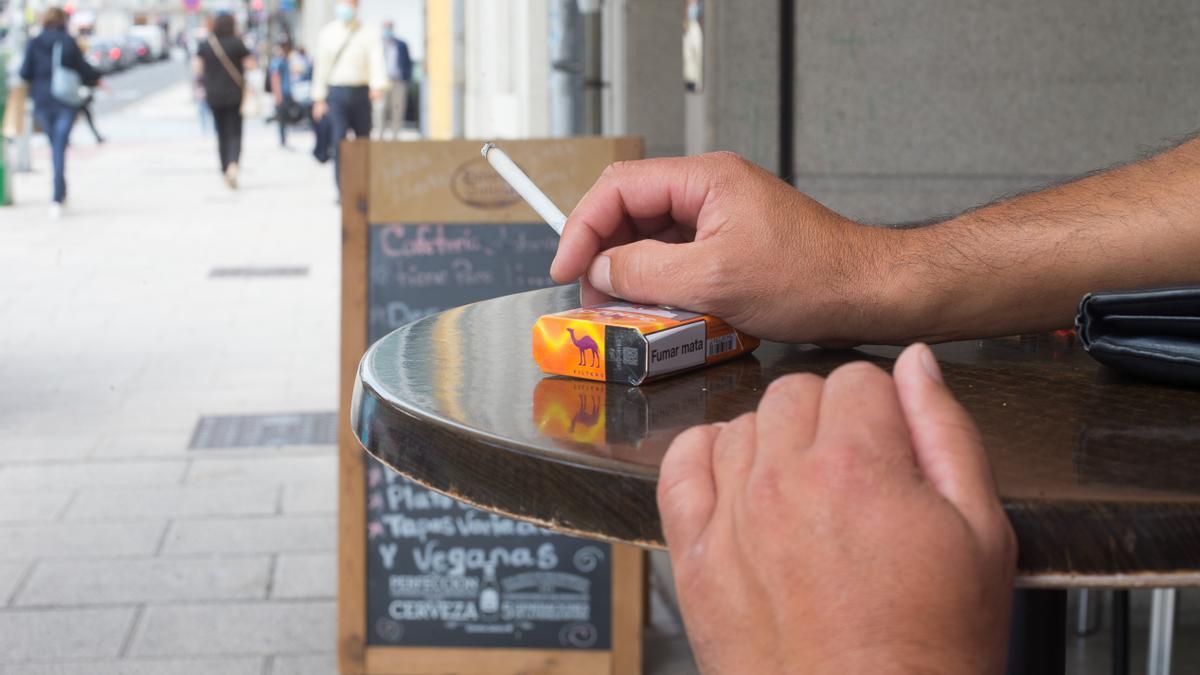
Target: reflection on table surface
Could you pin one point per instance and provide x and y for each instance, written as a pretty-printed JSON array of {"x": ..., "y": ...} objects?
[{"x": 1056, "y": 424}]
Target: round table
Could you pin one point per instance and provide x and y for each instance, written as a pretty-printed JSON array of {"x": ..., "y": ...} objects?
[{"x": 1099, "y": 474}]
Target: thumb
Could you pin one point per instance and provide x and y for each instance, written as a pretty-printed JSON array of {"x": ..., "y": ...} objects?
[
  {"x": 945, "y": 440},
  {"x": 653, "y": 272}
]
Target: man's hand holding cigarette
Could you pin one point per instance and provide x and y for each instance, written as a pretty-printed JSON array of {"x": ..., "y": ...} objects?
[{"x": 836, "y": 494}]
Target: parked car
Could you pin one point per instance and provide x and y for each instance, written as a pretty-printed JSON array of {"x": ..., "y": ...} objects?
[
  {"x": 155, "y": 38},
  {"x": 104, "y": 55},
  {"x": 129, "y": 57},
  {"x": 141, "y": 50}
]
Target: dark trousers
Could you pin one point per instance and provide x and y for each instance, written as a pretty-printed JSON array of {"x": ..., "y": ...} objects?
[
  {"x": 56, "y": 120},
  {"x": 281, "y": 118},
  {"x": 228, "y": 121},
  {"x": 86, "y": 111},
  {"x": 349, "y": 110}
]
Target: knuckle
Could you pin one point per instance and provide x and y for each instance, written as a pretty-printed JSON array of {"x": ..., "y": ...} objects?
[
  {"x": 615, "y": 169},
  {"x": 733, "y": 437},
  {"x": 740, "y": 425},
  {"x": 858, "y": 371},
  {"x": 724, "y": 169},
  {"x": 726, "y": 157},
  {"x": 791, "y": 385},
  {"x": 836, "y": 465},
  {"x": 764, "y": 492},
  {"x": 690, "y": 436}
]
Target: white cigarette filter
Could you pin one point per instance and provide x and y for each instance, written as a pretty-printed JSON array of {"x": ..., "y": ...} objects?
[{"x": 515, "y": 177}]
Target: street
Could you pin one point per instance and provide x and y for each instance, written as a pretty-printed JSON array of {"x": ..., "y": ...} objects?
[
  {"x": 130, "y": 86},
  {"x": 152, "y": 310}
]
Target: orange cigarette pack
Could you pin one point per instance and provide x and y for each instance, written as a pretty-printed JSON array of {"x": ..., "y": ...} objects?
[{"x": 619, "y": 342}]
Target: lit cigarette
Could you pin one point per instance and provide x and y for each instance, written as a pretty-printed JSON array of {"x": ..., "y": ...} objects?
[{"x": 515, "y": 177}]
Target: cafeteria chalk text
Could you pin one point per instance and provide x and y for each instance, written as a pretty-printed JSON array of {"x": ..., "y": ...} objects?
[{"x": 459, "y": 559}]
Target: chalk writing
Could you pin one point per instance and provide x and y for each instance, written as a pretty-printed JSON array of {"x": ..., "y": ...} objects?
[
  {"x": 441, "y": 573},
  {"x": 427, "y": 240}
]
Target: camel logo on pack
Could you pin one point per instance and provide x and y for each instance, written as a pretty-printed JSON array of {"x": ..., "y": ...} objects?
[{"x": 587, "y": 348}]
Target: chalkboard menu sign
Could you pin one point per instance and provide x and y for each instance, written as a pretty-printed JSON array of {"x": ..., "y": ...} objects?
[
  {"x": 417, "y": 270},
  {"x": 426, "y": 583},
  {"x": 440, "y": 573}
]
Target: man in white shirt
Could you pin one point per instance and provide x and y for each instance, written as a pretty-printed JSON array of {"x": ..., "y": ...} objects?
[{"x": 348, "y": 74}]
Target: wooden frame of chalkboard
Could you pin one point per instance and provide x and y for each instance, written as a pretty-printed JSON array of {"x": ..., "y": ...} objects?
[{"x": 439, "y": 182}]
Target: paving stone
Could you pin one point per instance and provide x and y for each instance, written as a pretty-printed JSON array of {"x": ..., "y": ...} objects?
[
  {"x": 76, "y": 474},
  {"x": 41, "y": 448},
  {"x": 252, "y": 535},
  {"x": 91, "y": 582},
  {"x": 10, "y": 576},
  {"x": 60, "y": 540},
  {"x": 287, "y": 468},
  {"x": 314, "y": 664},
  {"x": 163, "y": 345},
  {"x": 311, "y": 497},
  {"x": 41, "y": 635},
  {"x": 142, "y": 444},
  {"x": 228, "y": 666},
  {"x": 305, "y": 575},
  {"x": 25, "y": 506},
  {"x": 235, "y": 628},
  {"x": 172, "y": 502}
]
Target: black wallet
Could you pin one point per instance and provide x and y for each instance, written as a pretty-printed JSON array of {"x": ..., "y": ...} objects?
[{"x": 1153, "y": 333}]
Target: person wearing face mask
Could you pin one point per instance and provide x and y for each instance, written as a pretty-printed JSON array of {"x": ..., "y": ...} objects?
[
  {"x": 389, "y": 112},
  {"x": 348, "y": 75}
]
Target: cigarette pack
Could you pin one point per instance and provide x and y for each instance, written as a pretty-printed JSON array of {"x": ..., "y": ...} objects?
[{"x": 619, "y": 342}]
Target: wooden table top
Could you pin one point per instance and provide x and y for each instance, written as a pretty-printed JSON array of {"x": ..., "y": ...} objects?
[{"x": 1099, "y": 474}]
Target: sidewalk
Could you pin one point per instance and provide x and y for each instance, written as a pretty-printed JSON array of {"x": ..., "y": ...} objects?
[{"x": 121, "y": 550}]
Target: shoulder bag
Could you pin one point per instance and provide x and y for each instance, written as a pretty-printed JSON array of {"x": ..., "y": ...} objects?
[{"x": 64, "y": 82}]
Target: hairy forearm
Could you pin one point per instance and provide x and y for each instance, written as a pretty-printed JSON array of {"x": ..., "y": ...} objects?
[{"x": 1022, "y": 264}]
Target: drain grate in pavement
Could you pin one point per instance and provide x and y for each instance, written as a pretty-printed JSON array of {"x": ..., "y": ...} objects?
[
  {"x": 218, "y": 272},
  {"x": 263, "y": 431}
]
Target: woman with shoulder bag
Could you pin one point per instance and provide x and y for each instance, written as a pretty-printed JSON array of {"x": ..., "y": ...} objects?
[
  {"x": 221, "y": 64},
  {"x": 55, "y": 69}
]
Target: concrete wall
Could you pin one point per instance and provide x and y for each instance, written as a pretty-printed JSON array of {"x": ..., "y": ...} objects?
[
  {"x": 739, "y": 106},
  {"x": 908, "y": 111},
  {"x": 653, "y": 99},
  {"x": 904, "y": 111}
]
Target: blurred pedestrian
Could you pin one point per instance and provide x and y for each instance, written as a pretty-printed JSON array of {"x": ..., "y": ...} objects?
[
  {"x": 389, "y": 111},
  {"x": 221, "y": 63},
  {"x": 348, "y": 75},
  {"x": 279, "y": 77},
  {"x": 302, "y": 65},
  {"x": 53, "y": 105}
]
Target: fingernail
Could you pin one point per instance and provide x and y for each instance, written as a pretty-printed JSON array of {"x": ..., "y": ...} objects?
[
  {"x": 930, "y": 364},
  {"x": 598, "y": 275}
]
